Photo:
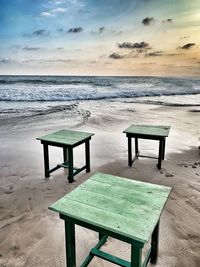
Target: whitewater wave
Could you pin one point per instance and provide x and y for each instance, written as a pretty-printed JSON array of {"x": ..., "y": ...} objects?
[
  {"x": 83, "y": 93},
  {"x": 77, "y": 96},
  {"x": 71, "y": 88}
]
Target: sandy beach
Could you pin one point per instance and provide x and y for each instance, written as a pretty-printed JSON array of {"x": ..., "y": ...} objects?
[
  {"x": 99, "y": 67},
  {"x": 33, "y": 236}
]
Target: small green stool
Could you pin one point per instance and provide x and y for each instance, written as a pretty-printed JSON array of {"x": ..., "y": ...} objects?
[
  {"x": 68, "y": 140},
  {"x": 151, "y": 132},
  {"x": 124, "y": 209}
]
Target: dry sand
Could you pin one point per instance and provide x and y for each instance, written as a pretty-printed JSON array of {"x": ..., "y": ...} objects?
[{"x": 33, "y": 236}]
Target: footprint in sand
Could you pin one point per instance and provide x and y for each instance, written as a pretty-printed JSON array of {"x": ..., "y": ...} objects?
[
  {"x": 194, "y": 166},
  {"x": 167, "y": 174},
  {"x": 9, "y": 190},
  {"x": 15, "y": 249}
]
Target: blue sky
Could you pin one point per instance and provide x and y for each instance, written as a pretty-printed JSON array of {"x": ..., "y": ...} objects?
[{"x": 105, "y": 37}]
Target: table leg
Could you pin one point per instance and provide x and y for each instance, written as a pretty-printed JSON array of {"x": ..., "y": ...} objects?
[
  {"x": 160, "y": 154},
  {"x": 129, "y": 152},
  {"x": 136, "y": 147},
  {"x": 46, "y": 160},
  {"x": 100, "y": 236},
  {"x": 136, "y": 256},
  {"x": 87, "y": 155},
  {"x": 71, "y": 165},
  {"x": 163, "y": 149},
  {"x": 103, "y": 239},
  {"x": 65, "y": 154},
  {"x": 70, "y": 244},
  {"x": 154, "y": 244}
]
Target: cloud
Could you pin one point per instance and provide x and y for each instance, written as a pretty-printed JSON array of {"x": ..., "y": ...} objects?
[
  {"x": 75, "y": 30},
  {"x": 116, "y": 56},
  {"x": 53, "y": 12},
  {"x": 173, "y": 54},
  {"x": 148, "y": 20},
  {"x": 58, "y": 10},
  {"x": 167, "y": 21},
  {"x": 101, "y": 29},
  {"x": 187, "y": 46},
  {"x": 4, "y": 61},
  {"x": 161, "y": 53},
  {"x": 154, "y": 54},
  {"x": 46, "y": 14},
  {"x": 41, "y": 32},
  {"x": 59, "y": 60},
  {"x": 32, "y": 61},
  {"x": 135, "y": 50},
  {"x": 107, "y": 31},
  {"x": 129, "y": 45},
  {"x": 56, "y": 2},
  {"x": 27, "y": 48},
  {"x": 47, "y": 61}
]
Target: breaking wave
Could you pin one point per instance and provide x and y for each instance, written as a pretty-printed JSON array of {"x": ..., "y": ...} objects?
[{"x": 71, "y": 88}]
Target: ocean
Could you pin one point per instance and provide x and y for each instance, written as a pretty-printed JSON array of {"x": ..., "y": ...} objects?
[{"x": 27, "y": 96}]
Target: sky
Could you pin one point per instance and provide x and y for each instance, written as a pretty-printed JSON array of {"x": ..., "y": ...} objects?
[{"x": 104, "y": 37}]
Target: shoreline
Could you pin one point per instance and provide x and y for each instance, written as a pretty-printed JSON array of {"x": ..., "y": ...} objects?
[{"x": 20, "y": 112}]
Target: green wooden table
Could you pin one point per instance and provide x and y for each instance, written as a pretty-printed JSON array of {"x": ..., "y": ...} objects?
[
  {"x": 152, "y": 132},
  {"x": 68, "y": 140},
  {"x": 113, "y": 206}
]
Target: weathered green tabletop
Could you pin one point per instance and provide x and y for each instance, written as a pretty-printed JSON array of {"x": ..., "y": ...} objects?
[
  {"x": 68, "y": 140},
  {"x": 152, "y": 132},
  {"x": 114, "y": 206}
]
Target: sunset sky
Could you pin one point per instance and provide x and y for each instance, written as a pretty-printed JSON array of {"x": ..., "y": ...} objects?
[{"x": 105, "y": 37}]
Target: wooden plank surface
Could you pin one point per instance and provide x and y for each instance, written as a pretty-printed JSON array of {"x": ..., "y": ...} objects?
[
  {"x": 66, "y": 137},
  {"x": 124, "y": 206},
  {"x": 154, "y": 130}
]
